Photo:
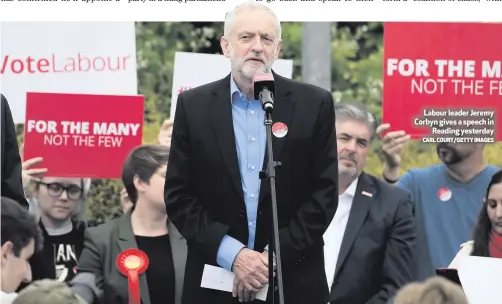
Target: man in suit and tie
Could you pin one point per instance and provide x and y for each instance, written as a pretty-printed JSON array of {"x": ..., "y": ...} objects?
[
  {"x": 213, "y": 192},
  {"x": 12, "y": 185},
  {"x": 370, "y": 245}
]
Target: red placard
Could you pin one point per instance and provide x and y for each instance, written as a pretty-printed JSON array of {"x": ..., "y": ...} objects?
[
  {"x": 441, "y": 66},
  {"x": 82, "y": 135}
]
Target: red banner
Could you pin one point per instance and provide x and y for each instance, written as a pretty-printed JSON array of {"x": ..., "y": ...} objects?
[
  {"x": 82, "y": 135},
  {"x": 443, "y": 79}
]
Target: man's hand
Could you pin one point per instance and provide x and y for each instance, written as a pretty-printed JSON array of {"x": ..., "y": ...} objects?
[
  {"x": 393, "y": 144},
  {"x": 265, "y": 256},
  {"x": 251, "y": 274},
  {"x": 166, "y": 132}
]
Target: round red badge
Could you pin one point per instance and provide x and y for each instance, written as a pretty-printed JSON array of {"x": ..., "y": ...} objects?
[
  {"x": 131, "y": 263},
  {"x": 444, "y": 194},
  {"x": 279, "y": 129}
]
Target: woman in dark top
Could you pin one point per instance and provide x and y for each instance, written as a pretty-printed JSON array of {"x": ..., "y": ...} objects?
[
  {"x": 145, "y": 227},
  {"x": 59, "y": 203},
  {"x": 160, "y": 277}
]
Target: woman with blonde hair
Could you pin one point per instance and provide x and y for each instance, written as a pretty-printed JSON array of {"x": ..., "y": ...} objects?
[{"x": 59, "y": 204}]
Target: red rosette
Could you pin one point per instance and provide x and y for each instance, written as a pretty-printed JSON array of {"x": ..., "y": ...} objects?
[{"x": 131, "y": 263}]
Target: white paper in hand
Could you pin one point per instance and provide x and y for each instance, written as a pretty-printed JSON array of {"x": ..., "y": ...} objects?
[
  {"x": 480, "y": 278},
  {"x": 218, "y": 278}
]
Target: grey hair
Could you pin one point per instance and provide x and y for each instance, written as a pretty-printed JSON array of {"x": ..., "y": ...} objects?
[
  {"x": 79, "y": 215},
  {"x": 356, "y": 111},
  {"x": 250, "y": 5}
]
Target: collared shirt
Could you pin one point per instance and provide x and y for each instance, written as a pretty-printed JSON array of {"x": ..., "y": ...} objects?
[
  {"x": 7, "y": 298},
  {"x": 333, "y": 236},
  {"x": 250, "y": 140}
]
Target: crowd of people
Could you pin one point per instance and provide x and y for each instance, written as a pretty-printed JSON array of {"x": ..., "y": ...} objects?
[{"x": 196, "y": 199}]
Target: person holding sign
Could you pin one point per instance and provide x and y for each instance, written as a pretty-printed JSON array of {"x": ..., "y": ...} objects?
[
  {"x": 59, "y": 204},
  {"x": 447, "y": 196},
  {"x": 213, "y": 191},
  {"x": 139, "y": 257},
  {"x": 488, "y": 232}
]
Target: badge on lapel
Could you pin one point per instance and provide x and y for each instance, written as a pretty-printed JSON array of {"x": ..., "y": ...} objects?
[
  {"x": 279, "y": 129},
  {"x": 367, "y": 194},
  {"x": 131, "y": 263}
]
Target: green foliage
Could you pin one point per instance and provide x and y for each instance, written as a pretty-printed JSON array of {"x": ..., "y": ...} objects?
[
  {"x": 292, "y": 46},
  {"x": 104, "y": 200}
]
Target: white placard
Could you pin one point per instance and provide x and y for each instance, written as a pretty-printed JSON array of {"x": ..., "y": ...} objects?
[
  {"x": 194, "y": 69},
  {"x": 66, "y": 57},
  {"x": 480, "y": 278}
]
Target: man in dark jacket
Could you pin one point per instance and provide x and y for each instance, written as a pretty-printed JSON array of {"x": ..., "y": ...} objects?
[{"x": 12, "y": 185}]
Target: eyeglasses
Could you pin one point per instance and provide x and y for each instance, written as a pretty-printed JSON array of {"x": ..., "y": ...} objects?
[{"x": 56, "y": 189}]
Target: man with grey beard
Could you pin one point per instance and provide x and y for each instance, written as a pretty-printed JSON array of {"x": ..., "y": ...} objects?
[
  {"x": 213, "y": 191},
  {"x": 370, "y": 245}
]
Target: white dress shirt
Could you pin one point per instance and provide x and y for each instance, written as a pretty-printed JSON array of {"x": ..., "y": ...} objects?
[
  {"x": 7, "y": 298},
  {"x": 334, "y": 234}
]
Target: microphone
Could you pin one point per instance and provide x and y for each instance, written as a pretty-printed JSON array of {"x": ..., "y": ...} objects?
[{"x": 264, "y": 90}]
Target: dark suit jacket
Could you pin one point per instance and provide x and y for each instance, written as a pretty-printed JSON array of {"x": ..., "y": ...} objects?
[
  {"x": 203, "y": 190},
  {"x": 378, "y": 251},
  {"x": 12, "y": 185},
  {"x": 105, "y": 242}
]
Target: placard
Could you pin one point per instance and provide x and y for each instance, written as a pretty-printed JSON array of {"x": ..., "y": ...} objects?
[
  {"x": 443, "y": 81},
  {"x": 66, "y": 57},
  {"x": 82, "y": 135}
]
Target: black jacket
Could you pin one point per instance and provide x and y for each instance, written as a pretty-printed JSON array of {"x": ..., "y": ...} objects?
[
  {"x": 203, "y": 189},
  {"x": 12, "y": 185}
]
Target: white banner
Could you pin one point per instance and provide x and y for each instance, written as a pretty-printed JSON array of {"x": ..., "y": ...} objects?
[
  {"x": 194, "y": 69},
  {"x": 66, "y": 57}
]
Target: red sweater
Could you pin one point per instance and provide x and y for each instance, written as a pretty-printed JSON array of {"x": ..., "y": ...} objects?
[{"x": 496, "y": 245}]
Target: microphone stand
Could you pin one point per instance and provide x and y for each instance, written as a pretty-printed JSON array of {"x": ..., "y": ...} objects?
[{"x": 269, "y": 173}]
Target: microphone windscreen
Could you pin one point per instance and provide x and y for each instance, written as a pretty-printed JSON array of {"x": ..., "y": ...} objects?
[{"x": 261, "y": 81}]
